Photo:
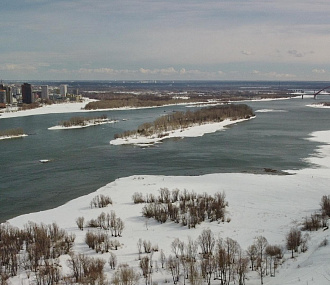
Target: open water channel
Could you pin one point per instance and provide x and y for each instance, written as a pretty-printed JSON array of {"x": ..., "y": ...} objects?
[{"x": 82, "y": 160}]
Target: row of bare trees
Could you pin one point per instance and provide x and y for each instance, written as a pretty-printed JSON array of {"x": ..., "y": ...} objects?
[
  {"x": 182, "y": 120},
  {"x": 213, "y": 258},
  {"x": 187, "y": 208}
]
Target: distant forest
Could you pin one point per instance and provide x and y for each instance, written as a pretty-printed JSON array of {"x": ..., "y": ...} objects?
[
  {"x": 82, "y": 121},
  {"x": 182, "y": 120},
  {"x": 110, "y": 102},
  {"x": 12, "y": 132}
]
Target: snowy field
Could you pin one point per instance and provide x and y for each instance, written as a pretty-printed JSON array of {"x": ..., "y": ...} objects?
[{"x": 259, "y": 205}]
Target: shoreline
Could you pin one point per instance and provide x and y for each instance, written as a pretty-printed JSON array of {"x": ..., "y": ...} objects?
[
  {"x": 193, "y": 131},
  {"x": 13, "y": 137},
  {"x": 318, "y": 105},
  {"x": 75, "y": 107}
]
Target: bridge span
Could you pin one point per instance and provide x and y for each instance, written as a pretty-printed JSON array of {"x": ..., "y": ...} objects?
[{"x": 317, "y": 93}]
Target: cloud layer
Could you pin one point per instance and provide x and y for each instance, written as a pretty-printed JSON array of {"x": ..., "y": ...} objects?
[{"x": 149, "y": 39}]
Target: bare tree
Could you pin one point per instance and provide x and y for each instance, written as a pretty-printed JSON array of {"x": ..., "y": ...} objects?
[
  {"x": 274, "y": 253},
  {"x": 242, "y": 264},
  {"x": 112, "y": 260},
  {"x": 125, "y": 275},
  {"x": 252, "y": 254},
  {"x": 173, "y": 265},
  {"x": 139, "y": 246},
  {"x": 206, "y": 241},
  {"x": 146, "y": 269},
  {"x": 162, "y": 258},
  {"x": 261, "y": 244},
  {"x": 80, "y": 223},
  {"x": 293, "y": 240}
]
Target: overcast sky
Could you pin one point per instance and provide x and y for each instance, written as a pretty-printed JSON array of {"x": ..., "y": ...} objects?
[{"x": 165, "y": 39}]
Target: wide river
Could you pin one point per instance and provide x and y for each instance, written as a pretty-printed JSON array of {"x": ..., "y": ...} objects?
[{"x": 82, "y": 160}]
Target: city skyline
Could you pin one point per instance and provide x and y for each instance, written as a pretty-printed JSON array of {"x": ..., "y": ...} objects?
[{"x": 164, "y": 40}]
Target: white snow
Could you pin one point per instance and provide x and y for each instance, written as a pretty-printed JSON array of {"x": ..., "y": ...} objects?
[
  {"x": 12, "y": 137},
  {"x": 320, "y": 105},
  {"x": 270, "y": 111},
  {"x": 194, "y": 131}
]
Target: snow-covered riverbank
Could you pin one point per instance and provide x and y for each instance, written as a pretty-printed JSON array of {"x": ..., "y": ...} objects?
[
  {"x": 13, "y": 137},
  {"x": 68, "y": 107}
]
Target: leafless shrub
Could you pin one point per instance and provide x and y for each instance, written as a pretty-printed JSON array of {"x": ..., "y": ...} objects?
[
  {"x": 125, "y": 275},
  {"x": 138, "y": 198},
  {"x": 147, "y": 246},
  {"x": 80, "y": 223},
  {"x": 313, "y": 223},
  {"x": 100, "y": 201},
  {"x": 112, "y": 260},
  {"x": 86, "y": 270}
]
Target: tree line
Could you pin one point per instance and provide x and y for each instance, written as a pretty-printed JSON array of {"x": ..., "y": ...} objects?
[
  {"x": 11, "y": 132},
  {"x": 134, "y": 101},
  {"x": 82, "y": 121},
  {"x": 182, "y": 120}
]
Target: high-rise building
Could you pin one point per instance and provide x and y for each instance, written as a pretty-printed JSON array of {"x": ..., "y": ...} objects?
[
  {"x": 63, "y": 90},
  {"x": 27, "y": 95},
  {"x": 9, "y": 95},
  {"x": 44, "y": 92},
  {"x": 2, "y": 96}
]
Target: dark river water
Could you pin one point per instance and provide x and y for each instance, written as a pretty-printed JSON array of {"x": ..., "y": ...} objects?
[{"x": 82, "y": 160}]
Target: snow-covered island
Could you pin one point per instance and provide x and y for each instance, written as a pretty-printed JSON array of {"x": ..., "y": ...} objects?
[
  {"x": 185, "y": 124},
  {"x": 192, "y": 131},
  {"x": 12, "y": 134},
  {"x": 82, "y": 122}
]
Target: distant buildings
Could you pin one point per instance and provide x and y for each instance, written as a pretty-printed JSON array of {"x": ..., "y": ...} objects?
[
  {"x": 63, "y": 90},
  {"x": 16, "y": 94},
  {"x": 6, "y": 94},
  {"x": 27, "y": 95},
  {"x": 44, "y": 92},
  {"x": 2, "y": 96}
]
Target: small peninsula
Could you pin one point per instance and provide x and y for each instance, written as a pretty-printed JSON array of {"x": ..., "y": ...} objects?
[
  {"x": 82, "y": 122},
  {"x": 320, "y": 105},
  {"x": 12, "y": 134},
  {"x": 185, "y": 124}
]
